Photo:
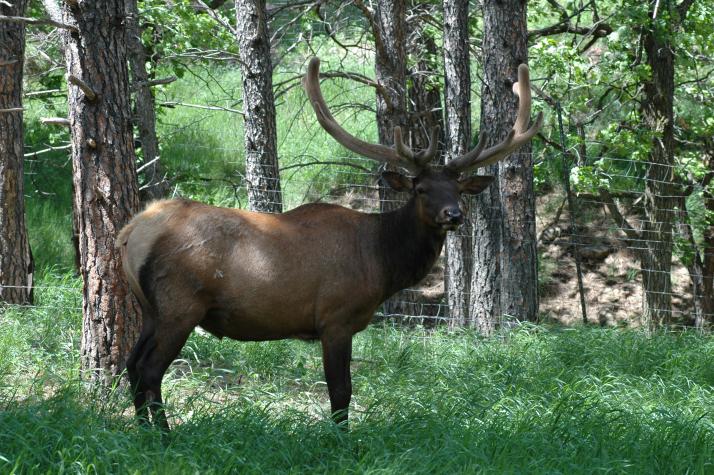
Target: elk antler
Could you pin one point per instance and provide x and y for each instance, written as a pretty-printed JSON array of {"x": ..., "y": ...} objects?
[
  {"x": 401, "y": 155},
  {"x": 518, "y": 136}
]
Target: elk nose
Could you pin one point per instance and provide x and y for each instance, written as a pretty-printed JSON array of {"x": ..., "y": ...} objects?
[{"x": 453, "y": 215}]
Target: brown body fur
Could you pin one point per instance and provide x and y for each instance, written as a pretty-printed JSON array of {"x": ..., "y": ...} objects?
[{"x": 317, "y": 272}]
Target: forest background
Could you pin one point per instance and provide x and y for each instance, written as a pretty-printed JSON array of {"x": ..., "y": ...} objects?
[{"x": 619, "y": 197}]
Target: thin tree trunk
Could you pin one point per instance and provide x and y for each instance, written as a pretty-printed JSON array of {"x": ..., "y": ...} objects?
[
  {"x": 261, "y": 151},
  {"x": 16, "y": 265},
  {"x": 104, "y": 176},
  {"x": 156, "y": 185},
  {"x": 390, "y": 71},
  {"x": 457, "y": 113}
]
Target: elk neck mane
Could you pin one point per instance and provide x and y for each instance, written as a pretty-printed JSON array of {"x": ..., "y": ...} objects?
[{"x": 407, "y": 248}]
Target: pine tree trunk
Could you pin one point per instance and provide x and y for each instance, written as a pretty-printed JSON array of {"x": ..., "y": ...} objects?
[
  {"x": 104, "y": 175},
  {"x": 457, "y": 113},
  {"x": 390, "y": 72},
  {"x": 16, "y": 265},
  {"x": 658, "y": 116},
  {"x": 261, "y": 151},
  {"x": 519, "y": 258},
  {"x": 156, "y": 186}
]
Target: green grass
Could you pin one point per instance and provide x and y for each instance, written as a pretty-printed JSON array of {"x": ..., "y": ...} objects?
[{"x": 534, "y": 400}]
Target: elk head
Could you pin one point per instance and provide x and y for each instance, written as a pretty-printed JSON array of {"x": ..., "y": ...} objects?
[{"x": 435, "y": 190}]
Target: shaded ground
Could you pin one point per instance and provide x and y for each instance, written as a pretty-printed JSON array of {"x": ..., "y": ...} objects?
[{"x": 611, "y": 277}]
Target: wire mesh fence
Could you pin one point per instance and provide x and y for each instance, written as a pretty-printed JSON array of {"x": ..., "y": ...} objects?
[
  {"x": 612, "y": 263},
  {"x": 203, "y": 151}
]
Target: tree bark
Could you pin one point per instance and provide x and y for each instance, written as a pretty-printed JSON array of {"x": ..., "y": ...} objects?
[
  {"x": 457, "y": 115},
  {"x": 519, "y": 258},
  {"x": 104, "y": 176},
  {"x": 389, "y": 27},
  {"x": 156, "y": 185},
  {"x": 16, "y": 264},
  {"x": 261, "y": 151},
  {"x": 504, "y": 279},
  {"x": 658, "y": 116}
]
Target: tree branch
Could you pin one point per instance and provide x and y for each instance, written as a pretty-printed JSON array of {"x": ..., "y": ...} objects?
[
  {"x": 369, "y": 14},
  {"x": 617, "y": 216},
  {"x": 197, "y": 106},
  {"x": 597, "y": 31},
  {"x": 154, "y": 82},
  {"x": 217, "y": 18},
  {"x": 83, "y": 86},
  {"x": 37, "y": 21},
  {"x": 47, "y": 150},
  {"x": 317, "y": 162},
  {"x": 363, "y": 80},
  {"x": 60, "y": 121}
]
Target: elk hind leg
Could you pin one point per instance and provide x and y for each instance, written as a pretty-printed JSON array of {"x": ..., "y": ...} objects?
[
  {"x": 143, "y": 347},
  {"x": 160, "y": 350}
]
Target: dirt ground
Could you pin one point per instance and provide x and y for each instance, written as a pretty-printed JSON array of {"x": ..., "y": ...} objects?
[{"x": 611, "y": 279}]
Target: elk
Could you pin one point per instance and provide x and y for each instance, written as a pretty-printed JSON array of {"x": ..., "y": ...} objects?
[{"x": 317, "y": 272}]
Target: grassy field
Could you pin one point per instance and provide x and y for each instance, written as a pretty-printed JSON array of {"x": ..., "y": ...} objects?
[
  {"x": 530, "y": 400},
  {"x": 533, "y": 400}
]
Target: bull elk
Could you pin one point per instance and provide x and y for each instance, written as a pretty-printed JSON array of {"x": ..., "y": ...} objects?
[{"x": 319, "y": 271}]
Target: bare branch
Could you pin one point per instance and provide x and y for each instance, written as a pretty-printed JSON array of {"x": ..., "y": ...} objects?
[
  {"x": 47, "y": 150},
  {"x": 617, "y": 216},
  {"x": 60, "y": 121},
  {"x": 86, "y": 89},
  {"x": 217, "y": 18},
  {"x": 12, "y": 109},
  {"x": 147, "y": 164},
  {"x": 318, "y": 162},
  {"x": 363, "y": 80},
  {"x": 47, "y": 92},
  {"x": 369, "y": 14},
  {"x": 197, "y": 106},
  {"x": 597, "y": 31},
  {"x": 154, "y": 82},
  {"x": 37, "y": 21}
]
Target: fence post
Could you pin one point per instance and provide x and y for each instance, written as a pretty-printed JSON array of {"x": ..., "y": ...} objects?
[{"x": 569, "y": 194}]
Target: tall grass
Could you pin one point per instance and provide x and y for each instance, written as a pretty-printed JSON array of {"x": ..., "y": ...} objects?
[{"x": 534, "y": 400}]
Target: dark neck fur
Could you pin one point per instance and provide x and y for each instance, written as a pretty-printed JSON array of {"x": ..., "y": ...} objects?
[{"x": 407, "y": 247}]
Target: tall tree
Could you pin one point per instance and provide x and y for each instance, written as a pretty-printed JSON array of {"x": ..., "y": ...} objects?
[
  {"x": 457, "y": 114},
  {"x": 653, "y": 241},
  {"x": 144, "y": 108},
  {"x": 504, "y": 276},
  {"x": 16, "y": 266},
  {"x": 261, "y": 151},
  {"x": 104, "y": 175}
]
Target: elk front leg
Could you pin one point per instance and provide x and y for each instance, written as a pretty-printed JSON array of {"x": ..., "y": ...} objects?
[{"x": 336, "y": 355}]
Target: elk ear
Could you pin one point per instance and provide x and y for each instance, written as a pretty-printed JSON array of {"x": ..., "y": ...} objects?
[
  {"x": 397, "y": 182},
  {"x": 474, "y": 185}
]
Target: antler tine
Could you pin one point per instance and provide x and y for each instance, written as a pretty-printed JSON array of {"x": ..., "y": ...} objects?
[
  {"x": 426, "y": 155},
  {"x": 402, "y": 149},
  {"x": 517, "y": 137},
  {"x": 380, "y": 153}
]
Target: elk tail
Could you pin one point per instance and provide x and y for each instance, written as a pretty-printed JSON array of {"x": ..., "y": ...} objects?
[{"x": 129, "y": 272}]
